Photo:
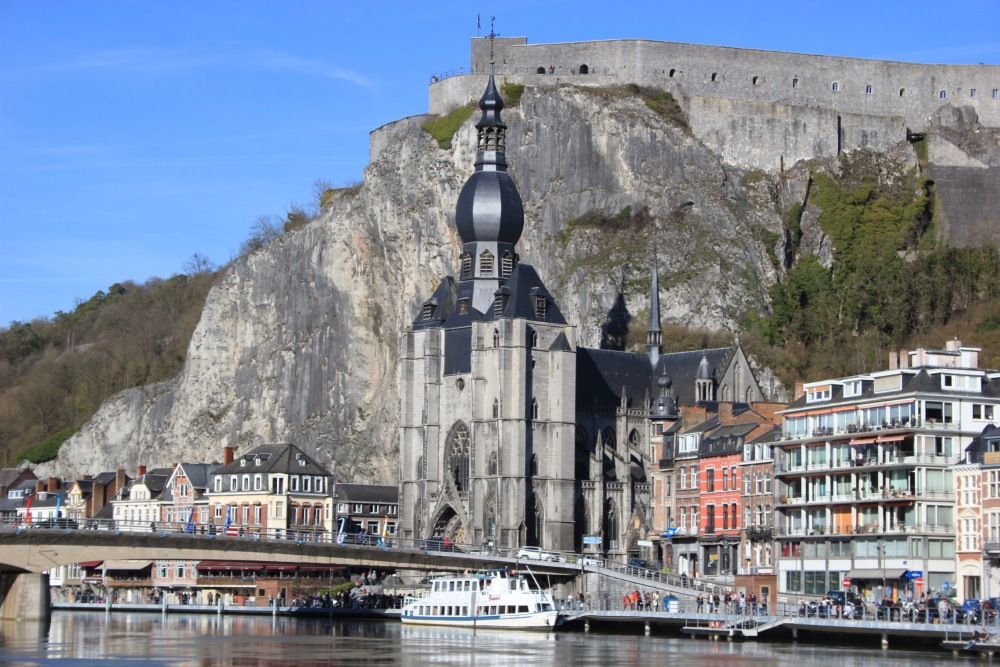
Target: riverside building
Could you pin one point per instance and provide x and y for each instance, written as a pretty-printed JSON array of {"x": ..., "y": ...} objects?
[{"x": 864, "y": 483}]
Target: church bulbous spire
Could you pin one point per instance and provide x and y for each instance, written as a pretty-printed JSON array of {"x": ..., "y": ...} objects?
[{"x": 489, "y": 207}]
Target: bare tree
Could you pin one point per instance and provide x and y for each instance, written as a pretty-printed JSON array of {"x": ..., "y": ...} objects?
[{"x": 198, "y": 264}]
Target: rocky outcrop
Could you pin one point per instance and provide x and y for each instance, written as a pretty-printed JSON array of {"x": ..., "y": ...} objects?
[{"x": 298, "y": 341}]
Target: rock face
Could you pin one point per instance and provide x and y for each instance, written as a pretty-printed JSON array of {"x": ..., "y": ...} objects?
[{"x": 298, "y": 341}]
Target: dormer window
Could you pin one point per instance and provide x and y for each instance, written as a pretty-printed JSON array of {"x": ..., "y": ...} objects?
[
  {"x": 507, "y": 264},
  {"x": 257, "y": 461},
  {"x": 498, "y": 304},
  {"x": 466, "y": 265},
  {"x": 486, "y": 264},
  {"x": 852, "y": 388},
  {"x": 463, "y": 306},
  {"x": 243, "y": 463},
  {"x": 821, "y": 393},
  {"x": 428, "y": 311},
  {"x": 540, "y": 305}
]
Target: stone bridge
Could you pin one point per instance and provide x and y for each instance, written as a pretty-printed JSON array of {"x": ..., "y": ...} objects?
[{"x": 27, "y": 554}]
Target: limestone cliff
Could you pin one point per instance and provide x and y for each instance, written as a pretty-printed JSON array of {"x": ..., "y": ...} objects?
[{"x": 298, "y": 341}]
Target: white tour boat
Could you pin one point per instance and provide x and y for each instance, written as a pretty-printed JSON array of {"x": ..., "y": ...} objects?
[{"x": 488, "y": 599}]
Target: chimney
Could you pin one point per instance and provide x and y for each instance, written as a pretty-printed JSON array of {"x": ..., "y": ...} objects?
[
  {"x": 119, "y": 479},
  {"x": 3, "y": 491},
  {"x": 893, "y": 360},
  {"x": 725, "y": 413},
  {"x": 52, "y": 485},
  {"x": 140, "y": 471},
  {"x": 227, "y": 455},
  {"x": 904, "y": 359},
  {"x": 98, "y": 498},
  {"x": 800, "y": 390},
  {"x": 953, "y": 345},
  {"x": 87, "y": 478}
]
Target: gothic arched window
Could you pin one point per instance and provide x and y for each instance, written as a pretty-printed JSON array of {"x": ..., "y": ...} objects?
[
  {"x": 608, "y": 438},
  {"x": 534, "y": 465},
  {"x": 494, "y": 469},
  {"x": 496, "y": 409},
  {"x": 534, "y": 408},
  {"x": 496, "y": 338},
  {"x": 633, "y": 439},
  {"x": 456, "y": 456},
  {"x": 610, "y": 525}
]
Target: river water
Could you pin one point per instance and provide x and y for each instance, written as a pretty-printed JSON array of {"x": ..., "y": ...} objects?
[{"x": 78, "y": 639}]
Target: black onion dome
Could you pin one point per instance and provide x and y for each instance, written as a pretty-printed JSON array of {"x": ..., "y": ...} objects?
[{"x": 489, "y": 209}]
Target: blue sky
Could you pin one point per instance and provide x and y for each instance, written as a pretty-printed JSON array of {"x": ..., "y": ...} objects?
[{"x": 134, "y": 134}]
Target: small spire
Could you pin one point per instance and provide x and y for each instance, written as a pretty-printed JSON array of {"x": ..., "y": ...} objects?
[{"x": 654, "y": 334}]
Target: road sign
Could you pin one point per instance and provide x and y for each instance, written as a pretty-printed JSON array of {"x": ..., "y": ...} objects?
[
  {"x": 847, "y": 582},
  {"x": 591, "y": 539},
  {"x": 919, "y": 581}
]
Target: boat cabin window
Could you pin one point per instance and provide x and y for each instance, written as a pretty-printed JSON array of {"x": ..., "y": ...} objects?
[{"x": 522, "y": 609}]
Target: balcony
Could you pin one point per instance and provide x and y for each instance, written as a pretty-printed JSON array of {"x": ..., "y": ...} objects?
[
  {"x": 991, "y": 549},
  {"x": 759, "y": 533}
]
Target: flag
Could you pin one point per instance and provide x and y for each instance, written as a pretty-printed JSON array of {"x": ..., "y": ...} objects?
[
  {"x": 190, "y": 524},
  {"x": 230, "y": 530},
  {"x": 27, "y": 511},
  {"x": 385, "y": 529},
  {"x": 479, "y": 23},
  {"x": 58, "y": 503},
  {"x": 341, "y": 535}
]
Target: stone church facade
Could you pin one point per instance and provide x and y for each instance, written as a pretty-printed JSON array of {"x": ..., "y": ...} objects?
[{"x": 511, "y": 434}]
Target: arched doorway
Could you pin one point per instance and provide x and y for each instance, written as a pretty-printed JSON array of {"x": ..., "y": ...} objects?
[
  {"x": 449, "y": 525},
  {"x": 584, "y": 69}
]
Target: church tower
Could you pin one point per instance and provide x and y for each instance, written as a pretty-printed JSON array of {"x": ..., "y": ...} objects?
[{"x": 487, "y": 381}]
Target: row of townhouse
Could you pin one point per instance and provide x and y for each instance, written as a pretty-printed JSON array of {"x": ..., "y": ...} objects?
[
  {"x": 271, "y": 491},
  {"x": 885, "y": 483}
]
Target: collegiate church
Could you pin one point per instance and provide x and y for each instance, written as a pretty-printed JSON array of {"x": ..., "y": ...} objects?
[{"x": 510, "y": 433}]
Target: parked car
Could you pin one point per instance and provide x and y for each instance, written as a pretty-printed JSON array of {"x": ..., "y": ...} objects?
[
  {"x": 536, "y": 553},
  {"x": 639, "y": 562},
  {"x": 60, "y": 523}
]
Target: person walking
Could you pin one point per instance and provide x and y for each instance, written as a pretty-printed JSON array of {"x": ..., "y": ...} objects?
[{"x": 701, "y": 603}]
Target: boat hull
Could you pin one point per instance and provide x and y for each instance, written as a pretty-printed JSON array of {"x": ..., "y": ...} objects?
[{"x": 543, "y": 620}]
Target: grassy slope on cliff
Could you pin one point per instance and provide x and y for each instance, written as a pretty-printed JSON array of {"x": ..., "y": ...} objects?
[{"x": 54, "y": 374}]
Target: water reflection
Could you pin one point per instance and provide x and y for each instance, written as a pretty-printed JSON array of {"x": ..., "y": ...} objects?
[{"x": 152, "y": 640}]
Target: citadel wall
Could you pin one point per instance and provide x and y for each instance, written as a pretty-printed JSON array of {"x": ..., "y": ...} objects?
[
  {"x": 845, "y": 85},
  {"x": 759, "y": 109}
]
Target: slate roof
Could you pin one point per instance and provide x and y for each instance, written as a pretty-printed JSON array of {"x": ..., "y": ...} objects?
[
  {"x": 603, "y": 373},
  {"x": 914, "y": 381},
  {"x": 443, "y": 305},
  {"x": 366, "y": 493},
  {"x": 522, "y": 287},
  {"x": 682, "y": 368},
  {"x": 725, "y": 440},
  {"x": 10, "y": 475},
  {"x": 274, "y": 459}
]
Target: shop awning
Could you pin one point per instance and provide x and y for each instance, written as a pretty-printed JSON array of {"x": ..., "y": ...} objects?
[
  {"x": 90, "y": 563},
  {"x": 280, "y": 568},
  {"x": 127, "y": 564},
  {"x": 863, "y": 441},
  {"x": 309, "y": 569},
  {"x": 876, "y": 573},
  {"x": 228, "y": 566}
]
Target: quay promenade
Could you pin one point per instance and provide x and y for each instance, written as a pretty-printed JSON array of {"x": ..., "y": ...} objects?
[{"x": 786, "y": 623}]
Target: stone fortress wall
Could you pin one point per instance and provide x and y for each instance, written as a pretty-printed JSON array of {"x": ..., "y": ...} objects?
[{"x": 758, "y": 109}]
